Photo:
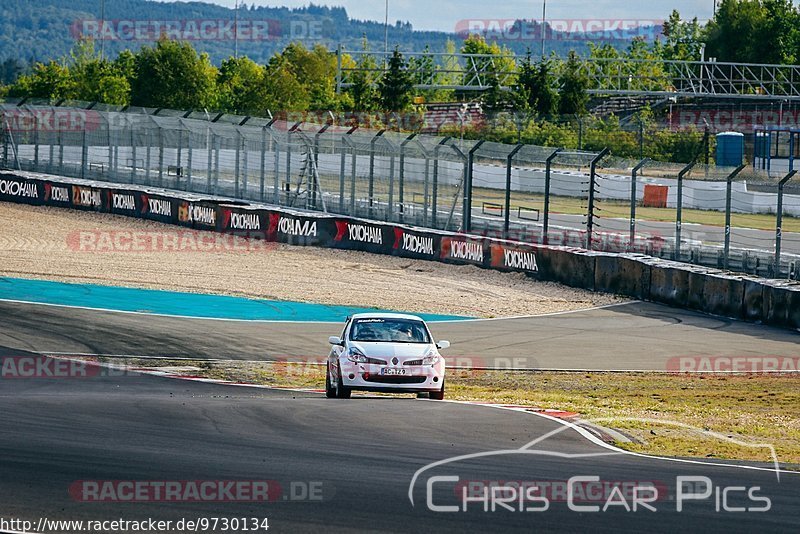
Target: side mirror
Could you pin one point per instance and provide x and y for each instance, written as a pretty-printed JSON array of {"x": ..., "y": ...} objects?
[
  {"x": 443, "y": 344},
  {"x": 334, "y": 340}
]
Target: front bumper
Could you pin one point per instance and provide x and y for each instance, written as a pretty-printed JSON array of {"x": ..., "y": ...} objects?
[{"x": 368, "y": 377}]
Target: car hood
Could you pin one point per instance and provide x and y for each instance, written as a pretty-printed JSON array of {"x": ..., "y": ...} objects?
[{"x": 403, "y": 351}]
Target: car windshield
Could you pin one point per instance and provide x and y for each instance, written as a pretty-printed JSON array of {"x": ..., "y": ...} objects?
[{"x": 389, "y": 331}]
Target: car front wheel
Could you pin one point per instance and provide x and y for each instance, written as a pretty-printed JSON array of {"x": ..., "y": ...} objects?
[
  {"x": 330, "y": 391},
  {"x": 342, "y": 391},
  {"x": 437, "y": 395}
]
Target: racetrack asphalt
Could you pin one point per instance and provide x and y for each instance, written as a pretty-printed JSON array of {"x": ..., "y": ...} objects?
[
  {"x": 361, "y": 453},
  {"x": 633, "y": 336}
]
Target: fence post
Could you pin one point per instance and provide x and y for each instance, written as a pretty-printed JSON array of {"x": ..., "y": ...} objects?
[
  {"x": 468, "y": 182},
  {"x": 679, "y": 210},
  {"x": 133, "y": 154},
  {"x": 84, "y": 154},
  {"x": 465, "y": 162},
  {"x": 147, "y": 156},
  {"x": 314, "y": 184},
  {"x": 6, "y": 139},
  {"x": 402, "y": 175},
  {"x": 263, "y": 163},
  {"x": 189, "y": 158},
  {"x": 289, "y": 158},
  {"x": 342, "y": 163},
  {"x": 160, "y": 156},
  {"x": 245, "y": 166},
  {"x": 209, "y": 159},
  {"x": 35, "y": 141},
  {"x": 51, "y": 153},
  {"x": 728, "y": 190},
  {"x": 546, "y": 220},
  {"x": 353, "y": 170},
  {"x": 634, "y": 174},
  {"x": 179, "y": 158},
  {"x": 115, "y": 170},
  {"x": 592, "y": 181},
  {"x": 110, "y": 149},
  {"x": 507, "y": 210},
  {"x": 371, "y": 186},
  {"x": 217, "y": 147},
  {"x": 60, "y": 153},
  {"x": 779, "y": 222},
  {"x": 435, "y": 186},
  {"x": 276, "y": 181},
  {"x": 390, "y": 209},
  {"x": 236, "y": 165}
]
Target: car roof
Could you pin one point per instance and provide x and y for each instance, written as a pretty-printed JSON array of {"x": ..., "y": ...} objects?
[{"x": 382, "y": 315}]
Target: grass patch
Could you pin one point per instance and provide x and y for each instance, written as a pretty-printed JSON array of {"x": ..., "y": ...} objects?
[{"x": 753, "y": 409}]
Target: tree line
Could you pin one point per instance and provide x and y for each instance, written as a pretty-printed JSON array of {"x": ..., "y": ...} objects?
[
  {"x": 547, "y": 96},
  {"x": 172, "y": 74}
]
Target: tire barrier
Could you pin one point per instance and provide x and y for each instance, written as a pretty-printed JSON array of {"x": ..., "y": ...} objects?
[
  {"x": 569, "y": 266},
  {"x": 794, "y": 306},
  {"x": 669, "y": 283},
  {"x": 622, "y": 274},
  {"x": 677, "y": 284},
  {"x": 753, "y": 304},
  {"x": 776, "y": 303},
  {"x": 696, "y": 287},
  {"x": 723, "y": 295}
]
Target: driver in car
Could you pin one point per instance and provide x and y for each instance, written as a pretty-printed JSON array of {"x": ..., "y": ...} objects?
[{"x": 405, "y": 333}]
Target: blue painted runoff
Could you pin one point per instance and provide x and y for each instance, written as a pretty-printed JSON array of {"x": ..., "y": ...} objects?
[{"x": 128, "y": 299}]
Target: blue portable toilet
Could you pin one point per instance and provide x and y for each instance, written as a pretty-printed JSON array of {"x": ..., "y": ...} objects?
[{"x": 730, "y": 149}]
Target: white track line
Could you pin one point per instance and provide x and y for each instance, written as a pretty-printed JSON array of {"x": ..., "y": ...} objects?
[
  {"x": 535, "y": 315},
  {"x": 177, "y": 316},
  {"x": 580, "y": 430},
  {"x": 292, "y": 360},
  {"x": 162, "y": 314}
]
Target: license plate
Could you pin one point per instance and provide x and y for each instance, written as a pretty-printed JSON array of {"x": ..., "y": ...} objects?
[{"x": 393, "y": 371}]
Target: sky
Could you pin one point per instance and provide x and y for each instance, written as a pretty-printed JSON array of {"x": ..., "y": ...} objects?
[{"x": 444, "y": 15}]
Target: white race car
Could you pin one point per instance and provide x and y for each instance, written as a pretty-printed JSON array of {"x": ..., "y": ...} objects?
[{"x": 386, "y": 352}]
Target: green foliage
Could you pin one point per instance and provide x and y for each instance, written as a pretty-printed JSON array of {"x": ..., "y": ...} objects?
[
  {"x": 47, "y": 80},
  {"x": 535, "y": 89},
  {"x": 682, "y": 40},
  {"x": 754, "y": 31},
  {"x": 173, "y": 75},
  {"x": 315, "y": 70},
  {"x": 362, "y": 92},
  {"x": 284, "y": 91},
  {"x": 241, "y": 86},
  {"x": 395, "y": 87},
  {"x": 574, "y": 83}
]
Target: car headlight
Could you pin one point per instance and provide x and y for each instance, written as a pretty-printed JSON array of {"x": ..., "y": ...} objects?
[
  {"x": 431, "y": 357},
  {"x": 356, "y": 356}
]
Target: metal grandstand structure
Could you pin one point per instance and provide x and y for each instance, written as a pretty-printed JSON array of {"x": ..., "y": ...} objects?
[{"x": 607, "y": 76}]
